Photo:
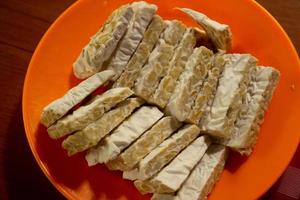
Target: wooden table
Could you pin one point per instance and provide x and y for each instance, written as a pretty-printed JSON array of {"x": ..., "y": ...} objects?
[{"x": 22, "y": 24}]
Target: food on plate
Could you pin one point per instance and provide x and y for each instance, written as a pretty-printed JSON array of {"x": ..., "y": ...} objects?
[
  {"x": 103, "y": 43},
  {"x": 142, "y": 15},
  {"x": 189, "y": 83},
  {"x": 166, "y": 151},
  {"x": 145, "y": 144},
  {"x": 139, "y": 58},
  {"x": 251, "y": 115},
  {"x": 58, "y": 108},
  {"x": 177, "y": 65},
  {"x": 95, "y": 131},
  {"x": 159, "y": 59},
  {"x": 170, "y": 178},
  {"x": 177, "y": 103},
  {"x": 202, "y": 178},
  {"x": 89, "y": 113},
  {"x": 207, "y": 91},
  {"x": 232, "y": 84},
  {"x": 125, "y": 134},
  {"x": 220, "y": 34}
]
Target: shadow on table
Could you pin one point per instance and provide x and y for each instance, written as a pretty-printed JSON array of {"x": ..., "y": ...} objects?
[{"x": 23, "y": 178}]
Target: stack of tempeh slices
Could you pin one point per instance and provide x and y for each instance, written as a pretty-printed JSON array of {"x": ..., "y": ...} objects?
[{"x": 177, "y": 102}]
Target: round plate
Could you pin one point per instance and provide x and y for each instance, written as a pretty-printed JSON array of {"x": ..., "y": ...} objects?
[{"x": 254, "y": 31}]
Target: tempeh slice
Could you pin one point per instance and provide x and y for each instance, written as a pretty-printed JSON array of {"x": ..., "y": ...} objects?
[
  {"x": 145, "y": 144},
  {"x": 220, "y": 34},
  {"x": 143, "y": 14},
  {"x": 131, "y": 174},
  {"x": 207, "y": 90},
  {"x": 253, "y": 109},
  {"x": 59, "y": 107},
  {"x": 176, "y": 67},
  {"x": 87, "y": 114},
  {"x": 131, "y": 129},
  {"x": 94, "y": 132},
  {"x": 170, "y": 178},
  {"x": 189, "y": 83},
  {"x": 139, "y": 58},
  {"x": 103, "y": 43},
  {"x": 232, "y": 85},
  {"x": 159, "y": 59},
  {"x": 166, "y": 151},
  {"x": 203, "y": 177}
]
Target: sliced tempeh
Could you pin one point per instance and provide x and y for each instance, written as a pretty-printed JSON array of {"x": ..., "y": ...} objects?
[
  {"x": 103, "y": 43},
  {"x": 166, "y": 151},
  {"x": 131, "y": 174},
  {"x": 207, "y": 90},
  {"x": 94, "y": 132},
  {"x": 111, "y": 146},
  {"x": 220, "y": 34},
  {"x": 87, "y": 114},
  {"x": 145, "y": 144},
  {"x": 203, "y": 177},
  {"x": 159, "y": 59},
  {"x": 252, "y": 111},
  {"x": 176, "y": 67},
  {"x": 189, "y": 83},
  {"x": 143, "y": 14},
  {"x": 58, "y": 108},
  {"x": 142, "y": 53},
  {"x": 232, "y": 85},
  {"x": 170, "y": 178}
]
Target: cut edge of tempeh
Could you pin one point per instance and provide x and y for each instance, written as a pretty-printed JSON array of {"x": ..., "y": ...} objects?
[
  {"x": 166, "y": 151},
  {"x": 139, "y": 58},
  {"x": 95, "y": 131},
  {"x": 232, "y": 85},
  {"x": 143, "y": 14},
  {"x": 171, "y": 177},
  {"x": 145, "y": 144},
  {"x": 219, "y": 33},
  {"x": 126, "y": 133},
  {"x": 131, "y": 175},
  {"x": 158, "y": 62},
  {"x": 167, "y": 85},
  {"x": 189, "y": 83},
  {"x": 207, "y": 90},
  {"x": 251, "y": 116},
  {"x": 61, "y": 106},
  {"x": 89, "y": 113},
  {"x": 103, "y": 43},
  {"x": 199, "y": 184}
]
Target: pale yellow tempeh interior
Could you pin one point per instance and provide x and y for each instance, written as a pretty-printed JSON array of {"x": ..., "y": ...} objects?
[
  {"x": 94, "y": 132},
  {"x": 145, "y": 144},
  {"x": 189, "y": 83},
  {"x": 87, "y": 114},
  {"x": 139, "y": 58},
  {"x": 251, "y": 115},
  {"x": 158, "y": 61},
  {"x": 142, "y": 15},
  {"x": 170, "y": 178}
]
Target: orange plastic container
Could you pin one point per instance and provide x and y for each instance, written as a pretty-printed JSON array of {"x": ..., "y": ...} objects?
[{"x": 255, "y": 31}]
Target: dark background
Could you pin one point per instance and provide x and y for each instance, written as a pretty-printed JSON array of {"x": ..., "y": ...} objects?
[{"x": 22, "y": 24}]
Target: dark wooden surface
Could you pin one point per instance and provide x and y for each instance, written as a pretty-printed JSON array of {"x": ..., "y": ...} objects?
[{"x": 22, "y": 24}]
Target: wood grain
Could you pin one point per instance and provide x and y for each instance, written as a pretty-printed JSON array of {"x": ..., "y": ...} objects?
[{"x": 22, "y": 24}]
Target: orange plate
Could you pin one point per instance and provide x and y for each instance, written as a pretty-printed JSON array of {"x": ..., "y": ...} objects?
[{"x": 255, "y": 31}]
